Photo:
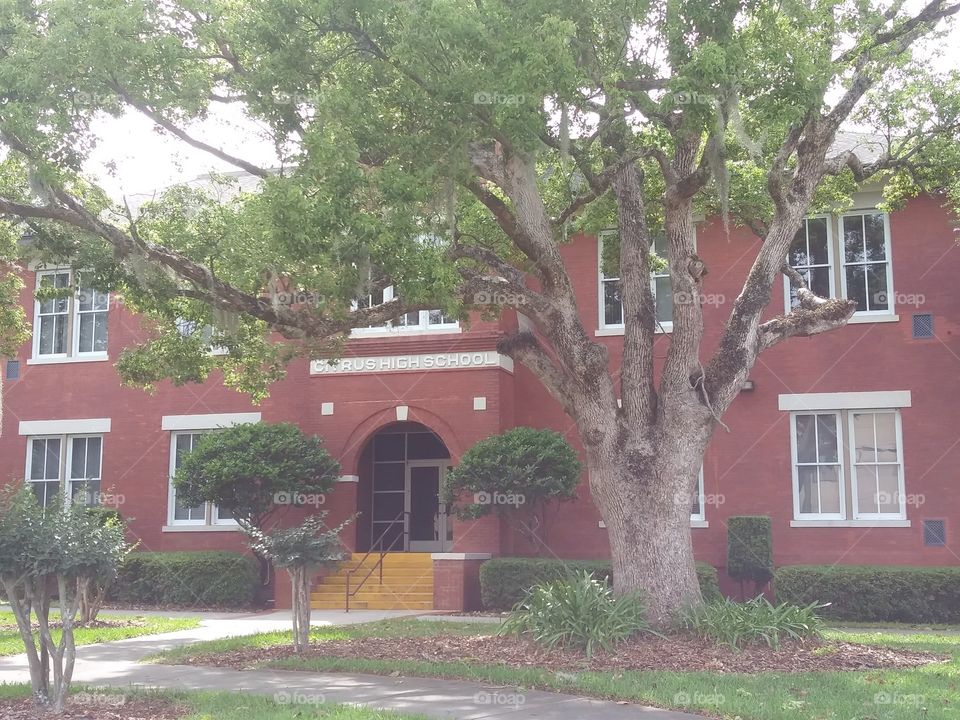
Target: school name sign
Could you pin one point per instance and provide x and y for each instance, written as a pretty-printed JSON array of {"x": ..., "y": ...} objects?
[{"x": 406, "y": 363}]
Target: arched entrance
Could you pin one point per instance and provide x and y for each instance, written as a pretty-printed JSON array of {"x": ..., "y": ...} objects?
[{"x": 401, "y": 471}]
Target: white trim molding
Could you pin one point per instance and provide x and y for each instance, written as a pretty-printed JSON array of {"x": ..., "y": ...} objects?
[
  {"x": 207, "y": 422},
  {"x": 460, "y": 556},
  {"x": 850, "y": 523},
  {"x": 64, "y": 360},
  {"x": 200, "y": 528},
  {"x": 349, "y": 478},
  {"x": 463, "y": 360},
  {"x": 846, "y": 401},
  {"x": 87, "y": 426}
]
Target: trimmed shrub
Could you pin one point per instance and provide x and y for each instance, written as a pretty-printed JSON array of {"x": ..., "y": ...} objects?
[
  {"x": 187, "y": 579},
  {"x": 750, "y": 548},
  {"x": 755, "y": 621},
  {"x": 505, "y": 581},
  {"x": 874, "y": 593},
  {"x": 578, "y": 611}
]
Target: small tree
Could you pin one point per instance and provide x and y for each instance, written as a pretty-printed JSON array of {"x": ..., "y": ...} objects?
[
  {"x": 92, "y": 589},
  {"x": 517, "y": 473},
  {"x": 62, "y": 546},
  {"x": 252, "y": 468},
  {"x": 300, "y": 550}
]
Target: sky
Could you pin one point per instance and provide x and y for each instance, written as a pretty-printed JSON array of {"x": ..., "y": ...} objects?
[{"x": 133, "y": 157}]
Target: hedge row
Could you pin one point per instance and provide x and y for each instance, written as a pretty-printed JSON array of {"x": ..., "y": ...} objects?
[
  {"x": 187, "y": 579},
  {"x": 874, "y": 593},
  {"x": 504, "y": 581}
]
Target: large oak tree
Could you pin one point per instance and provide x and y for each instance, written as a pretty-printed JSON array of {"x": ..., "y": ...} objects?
[{"x": 448, "y": 148}]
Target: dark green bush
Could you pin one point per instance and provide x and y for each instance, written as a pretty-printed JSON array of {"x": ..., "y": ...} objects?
[
  {"x": 750, "y": 548},
  {"x": 866, "y": 593},
  {"x": 505, "y": 581},
  {"x": 187, "y": 579}
]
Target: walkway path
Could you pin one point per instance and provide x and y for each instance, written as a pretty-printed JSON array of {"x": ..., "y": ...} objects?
[{"x": 116, "y": 664}]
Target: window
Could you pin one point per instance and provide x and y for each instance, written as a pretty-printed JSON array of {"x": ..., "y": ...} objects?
[
  {"x": 865, "y": 273},
  {"x": 611, "y": 301},
  {"x": 697, "y": 512},
  {"x": 423, "y": 320},
  {"x": 872, "y": 459},
  {"x": 74, "y": 326},
  {"x": 818, "y": 473},
  {"x": 76, "y": 472},
  {"x": 186, "y": 328},
  {"x": 181, "y": 445},
  {"x": 877, "y": 468}
]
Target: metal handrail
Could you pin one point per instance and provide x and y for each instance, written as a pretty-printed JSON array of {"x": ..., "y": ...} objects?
[{"x": 383, "y": 553}]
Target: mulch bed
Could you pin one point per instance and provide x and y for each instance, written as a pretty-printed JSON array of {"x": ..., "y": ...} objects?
[
  {"x": 675, "y": 653},
  {"x": 92, "y": 706}
]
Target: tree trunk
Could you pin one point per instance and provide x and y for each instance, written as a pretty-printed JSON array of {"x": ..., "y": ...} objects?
[
  {"x": 646, "y": 506},
  {"x": 300, "y": 586}
]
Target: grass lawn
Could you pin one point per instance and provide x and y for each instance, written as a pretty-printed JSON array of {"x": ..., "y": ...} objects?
[
  {"x": 11, "y": 644},
  {"x": 926, "y": 693},
  {"x": 238, "y": 706}
]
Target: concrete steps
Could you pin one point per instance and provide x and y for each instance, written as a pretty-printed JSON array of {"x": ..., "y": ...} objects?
[{"x": 407, "y": 583}]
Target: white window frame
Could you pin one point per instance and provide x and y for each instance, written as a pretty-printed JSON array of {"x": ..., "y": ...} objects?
[
  {"x": 700, "y": 519},
  {"x": 891, "y": 310},
  {"x": 211, "y": 513},
  {"x": 605, "y": 328},
  {"x": 73, "y": 314},
  {"x": 68, "y": 466},
  {"x": 831, "y": 259},
  {"x": 423, "y": 326},
  {"x": 64, "y": 481},
  {"x": 901, "y": 482},
  {"x": 795, "y": 466}
]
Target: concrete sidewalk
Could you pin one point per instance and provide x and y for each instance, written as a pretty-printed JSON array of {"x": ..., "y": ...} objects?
[{"x": 116, "y": 664}]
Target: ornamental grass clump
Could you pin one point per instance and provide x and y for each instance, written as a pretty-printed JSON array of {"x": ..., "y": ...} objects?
[
  {"x": 755, "y": 621},
  {"x": 577, "y": 611}
]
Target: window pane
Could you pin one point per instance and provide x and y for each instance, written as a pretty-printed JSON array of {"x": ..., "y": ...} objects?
[
  {"x": 888, "y": 479},
  {"x": 818, "y": 280},
  {"x": 853, "y": 238},
  {"x": 886, "y": 425},
  {"x": 78, "y": 460},
  {"x": 663, "y": 290},
  {"x": 806, "y": 439},
  {"x": 389, "y": 476},
  {"x": 612, "y": 303},
  {"x": 863, "y": 441},
  {"x": 52, "y": 459},
  {"x": 184, "y": 513},
  {"x": 829, "y": 489},
  {"x": 798, "y": 249},
  {"x": 37, "y": 456},
  {"x": 807, "y": 485},
  {"x": 857, "y": 287},
  {"x": 387, "y": 506},
  {"x": 184, "y": 444},
  {"x": 86, "y": 491},
  {"x": 45, "y": 492},
  {"x": 610, "y": 256},
  {"x": 425, "y": 446},
  {"x": 817, "y": 241},
  {"x": 867, "y": 500},
  {"x": 224, "y": 513},
  {"x": 827, "y": 437},
  {"x": 389, "y": 446},
  {"x": 877, "y": 287},
  {"x": 875, "y": 237}
]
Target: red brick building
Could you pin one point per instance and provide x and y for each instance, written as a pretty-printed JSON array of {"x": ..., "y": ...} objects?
[{"x": 847, "y": 441}]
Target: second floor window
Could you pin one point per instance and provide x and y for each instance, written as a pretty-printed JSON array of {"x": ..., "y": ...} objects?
[
  {"x": 861, "y": 240},
  {"x": 611, "y": 300},
  {"x": 73, "y": 325},
  {"x": 423, "y": 320}
]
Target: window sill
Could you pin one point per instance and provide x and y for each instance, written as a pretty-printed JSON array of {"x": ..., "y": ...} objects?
[
  {"x": 660, "y": 329},
  {"x": 861, "y": 319},
  {"x": 361, "y": 334},
  {"x": 849, "y": 523},
  {"x": 199, "y": 528},
  {"x": 64, "y": 360}
]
